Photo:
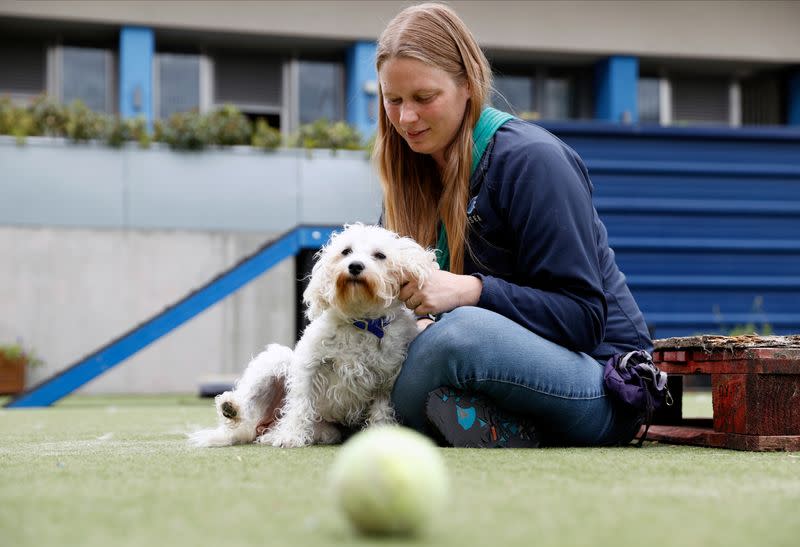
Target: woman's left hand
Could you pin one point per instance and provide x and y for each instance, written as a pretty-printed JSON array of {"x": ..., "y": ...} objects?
[{"x": 442, "y": 291}]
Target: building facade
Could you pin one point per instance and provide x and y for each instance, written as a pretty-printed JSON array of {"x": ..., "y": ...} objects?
[{"x": 734, "y": 63}]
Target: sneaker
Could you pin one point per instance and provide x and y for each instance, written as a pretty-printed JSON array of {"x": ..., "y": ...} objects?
[{"x": 466, "y": 420}]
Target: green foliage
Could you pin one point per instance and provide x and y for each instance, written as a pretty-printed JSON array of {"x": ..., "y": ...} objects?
[
  {"x": 15, "y": 121},
  {"x": 16, "y": 351},
  {"x": 49, "y": 116},
  {"x": 750, "y": 328},
  {"x": 265, "y": 137},
  {"x": 192, "y": 130},
  {"x": 120, "y": 131},
  {"x": 84, "y": 124},
  {"x": 229, "y": 127},
  {"x": 187, "y": 131},
  {"x": 322, "y": 134}
]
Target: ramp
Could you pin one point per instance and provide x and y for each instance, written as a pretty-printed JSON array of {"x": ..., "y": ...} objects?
[{"x": 110, "y": 355}]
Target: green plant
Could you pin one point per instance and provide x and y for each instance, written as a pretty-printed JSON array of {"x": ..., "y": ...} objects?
[
  {"x": 747, "y": 328},
  {"x": 192, "y": 130},
  {"x": 750, "y": 328},
  {"x": 119, "y": 131},
  {"x": 15, "y": 120},
  {"x": 323, "y": 134},
  {"x": 229, "y": 127},
  {"x": 84, "y": 124},
  {"x": 186, "y": 131},
  {"x": 17, "y": 351},
  {"x": 264, "y": 136},
  {"x": 49, "y": 116}
]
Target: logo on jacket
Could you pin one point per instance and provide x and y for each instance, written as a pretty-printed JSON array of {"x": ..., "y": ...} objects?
[{"x": 472, "y": 215}]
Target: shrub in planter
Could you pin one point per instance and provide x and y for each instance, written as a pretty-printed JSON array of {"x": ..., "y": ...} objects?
[
  {"x": 323, "y": 134},
  {"x": 119, "y": 131},
  {"x": 229, "y": 127},
  {"x": 186, "y": 131},
  {"x": 49, "y": 116},
  {"x": 264, "y": 136},
  {"x": 15, "y": 120},
  {"x": 14, "y": 359},
  {"x": 84, "y": 124}
]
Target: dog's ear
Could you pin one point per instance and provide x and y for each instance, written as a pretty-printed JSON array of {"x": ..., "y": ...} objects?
[
  {"x": 415, "y": 261},
  {"x": 316, "y": 297}
]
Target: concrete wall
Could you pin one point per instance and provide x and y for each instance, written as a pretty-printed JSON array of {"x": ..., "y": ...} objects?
[
  {"x": 65, "y": 292},
  {"x": 740, "y": 30},
  {"x": 94, "y": 241}
]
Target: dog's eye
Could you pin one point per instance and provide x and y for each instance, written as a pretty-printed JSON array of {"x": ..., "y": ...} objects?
[
  {"x": 347, "y": 251},
  {"x": 379, "y": 255}
]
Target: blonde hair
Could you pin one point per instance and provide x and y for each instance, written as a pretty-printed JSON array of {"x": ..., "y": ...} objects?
[{"x": 415, "y": 192}]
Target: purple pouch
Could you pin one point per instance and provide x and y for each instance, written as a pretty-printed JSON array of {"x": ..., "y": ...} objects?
[{"x": 634, "y": 379}]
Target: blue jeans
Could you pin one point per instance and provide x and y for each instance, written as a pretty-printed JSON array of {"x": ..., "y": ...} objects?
[{"x": 479, "y": 351}]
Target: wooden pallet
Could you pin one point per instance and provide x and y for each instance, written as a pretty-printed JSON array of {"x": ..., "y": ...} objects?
[{"x": 755, "y": 383}]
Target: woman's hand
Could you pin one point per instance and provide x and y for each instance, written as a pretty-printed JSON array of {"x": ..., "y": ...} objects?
[{"x": 443, "y": 291}]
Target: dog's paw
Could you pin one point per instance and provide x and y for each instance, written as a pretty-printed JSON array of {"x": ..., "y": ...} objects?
[
  {"x": 326, "y": 433},
  {"x": 282, "y": 439},
  {"x": 229, "y": 410},
  {"x": 227, "y": 407}
]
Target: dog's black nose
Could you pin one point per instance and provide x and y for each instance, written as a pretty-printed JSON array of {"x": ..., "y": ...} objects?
[{"x": 355, "y": 268}]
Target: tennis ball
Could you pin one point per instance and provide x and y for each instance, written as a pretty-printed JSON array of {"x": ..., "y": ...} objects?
[{"x": 389, "y": 480}]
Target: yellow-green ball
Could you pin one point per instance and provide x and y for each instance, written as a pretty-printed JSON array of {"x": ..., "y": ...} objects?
[{"x": 390, "y": 481}]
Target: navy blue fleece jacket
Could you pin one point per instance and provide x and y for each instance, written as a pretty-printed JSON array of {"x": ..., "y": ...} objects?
[{"x": 541, "y": 250}]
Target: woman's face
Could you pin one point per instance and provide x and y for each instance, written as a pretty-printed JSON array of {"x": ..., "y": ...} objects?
[{"x": 424, "y": 104}]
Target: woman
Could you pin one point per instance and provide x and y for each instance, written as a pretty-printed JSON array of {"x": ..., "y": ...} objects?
[{"x": 530, "y": 302}]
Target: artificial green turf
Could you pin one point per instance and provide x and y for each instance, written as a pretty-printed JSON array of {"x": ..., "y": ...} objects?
[{"x": 117, "y": 472}]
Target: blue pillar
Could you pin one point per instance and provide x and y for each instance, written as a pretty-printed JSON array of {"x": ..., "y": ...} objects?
[
  {"x": 793, "y": 117},
  {"x": 136, "y": 52},
  {"x": 616, "y": 89},
  {"x": 362, "y": 87}
]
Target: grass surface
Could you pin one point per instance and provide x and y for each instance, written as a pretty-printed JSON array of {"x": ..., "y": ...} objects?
[{"x": 117, "y": 472}]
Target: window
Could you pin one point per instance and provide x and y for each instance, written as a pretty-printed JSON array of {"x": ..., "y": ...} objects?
[
  {"x": 649, "y": 100},
  {"x": 252, "y": 81},
  {"x": 763, "y": 100},
  {"x": 516, "y": 94},
  {"x": 550, "y": 93},
  {"x": 559, "y": 99},
  {"x": 177, "y": 84},
  {"x": 321, "y": 91},
  {"x": 701, "y": 100},
  {"x": 87, "y": 75},
  {"x": 23, "y": 69}
]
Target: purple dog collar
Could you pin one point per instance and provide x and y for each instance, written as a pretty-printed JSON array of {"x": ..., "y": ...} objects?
[{"x": 375, "y": 326}]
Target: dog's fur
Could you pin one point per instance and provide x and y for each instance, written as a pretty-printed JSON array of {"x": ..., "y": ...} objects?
[{"x": 338, "y": 373}]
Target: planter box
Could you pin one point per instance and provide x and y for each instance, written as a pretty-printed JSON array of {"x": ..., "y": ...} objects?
[
  {"x": 238, "y": 189},
  {"x": 12, "y": 375}
]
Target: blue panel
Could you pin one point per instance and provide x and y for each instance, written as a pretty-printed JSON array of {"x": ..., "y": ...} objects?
[
  {"x": 737, "y": 146},
  {"x": 616, "y": 89},
  {"x": 705, "y": 223},
  {"x": 793, "y": 99},
  {"x": 362, "y": 106},
  {"x": 139, "y": 337},
  {"x": 136, "y": 51}
]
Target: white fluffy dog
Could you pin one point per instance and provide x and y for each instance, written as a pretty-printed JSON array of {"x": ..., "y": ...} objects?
[{"x": 343, "y": 367}]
